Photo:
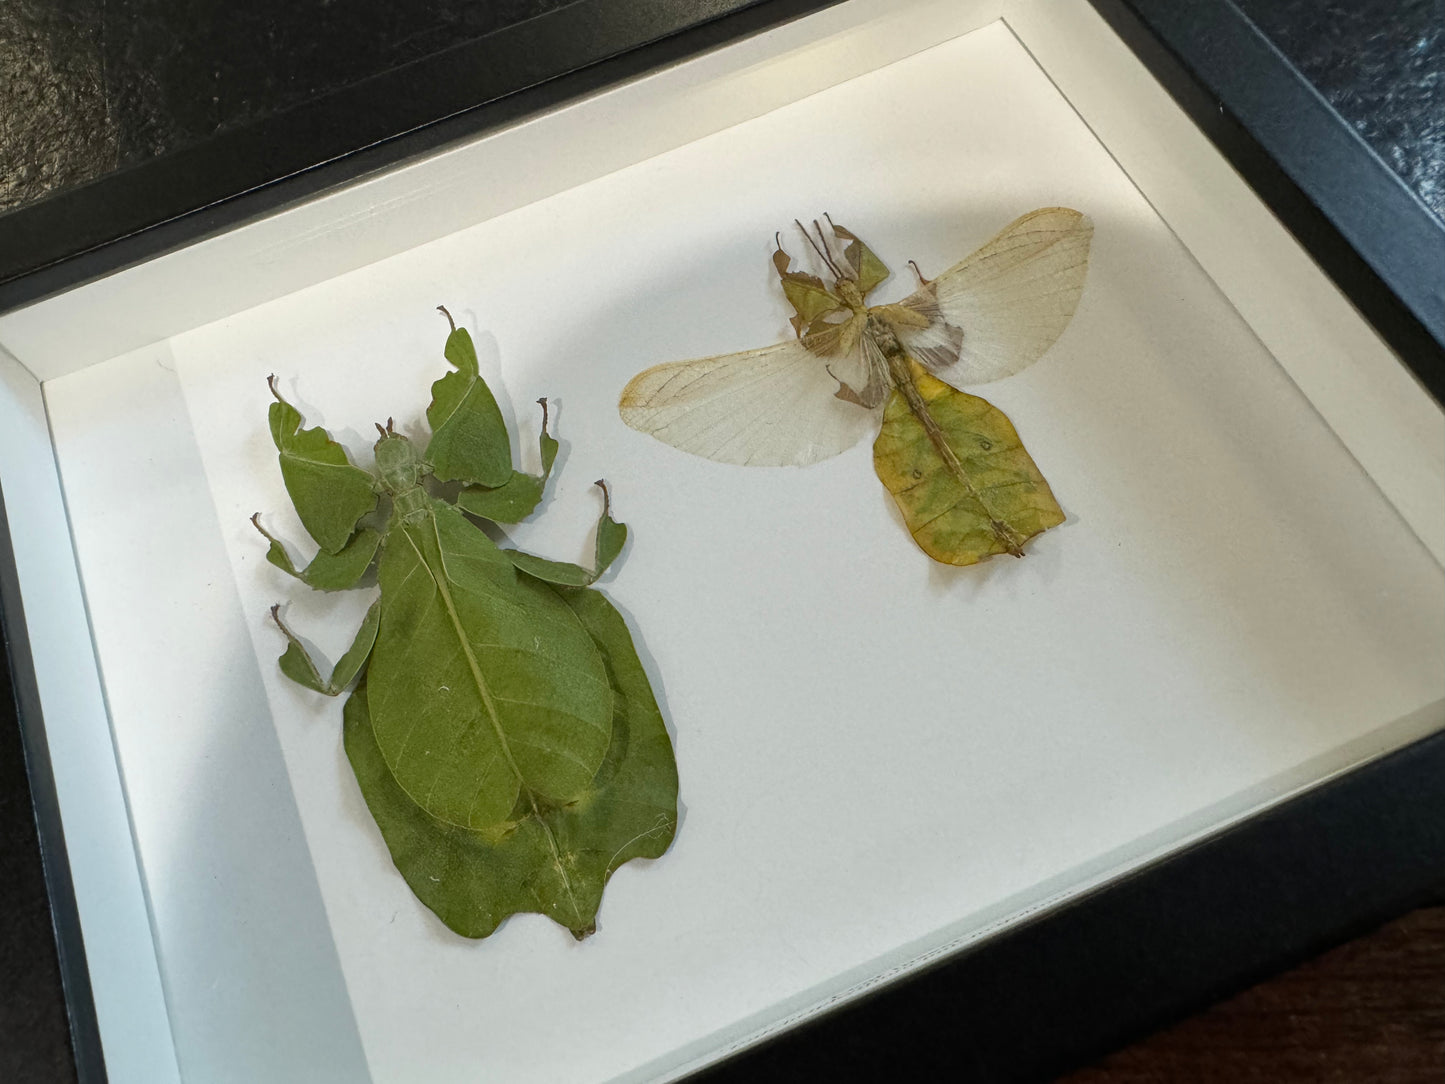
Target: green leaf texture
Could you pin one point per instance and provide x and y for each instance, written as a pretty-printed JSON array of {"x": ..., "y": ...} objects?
[
  {"x": 551, "y": 858},
  {"x": 516, "y": 498},
  {"x": 483, "y": 682},
  {"x": 469, "y": 441},
  {"x": 501, "y": 729},
  {"x": 329, "y": 492},
  {"x": 977, "y": 494}
]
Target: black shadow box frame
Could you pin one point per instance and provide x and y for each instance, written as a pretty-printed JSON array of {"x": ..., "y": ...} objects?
[{"x": 1078, "y": 980}]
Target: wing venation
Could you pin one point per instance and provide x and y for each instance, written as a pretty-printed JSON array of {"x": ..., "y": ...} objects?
[
  {"x": 1011, "y": 299},
  {"x": 770, "y": 407}
]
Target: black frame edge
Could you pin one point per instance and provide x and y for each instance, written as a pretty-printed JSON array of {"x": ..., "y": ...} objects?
[
  {"x": 85, "y": 1043},
  {"x": 1101, "y": 971},
  {"x": 1315, "y": 173},
  {"x": 473, "y": 88}
]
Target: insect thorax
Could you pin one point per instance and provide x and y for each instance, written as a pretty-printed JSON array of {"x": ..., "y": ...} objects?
[
  {"x": 409, "y": 504},
  {"x": 883, "y": 336},
  {"x": 401, "y": 470},
  {"x": 851, "y": 296}
]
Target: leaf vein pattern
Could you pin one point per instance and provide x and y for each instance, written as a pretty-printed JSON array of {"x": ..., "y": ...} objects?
[
  {"x": 555, "y": 751},
  {"x": 662, "y": 824},
  {"x": 491, "y": 707},
  {"x": 415, "y": 721},
  {"x": 548, "y": 707}
]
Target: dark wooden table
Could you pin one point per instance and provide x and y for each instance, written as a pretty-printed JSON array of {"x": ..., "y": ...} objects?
[{"x": 1370, "y": 1010}]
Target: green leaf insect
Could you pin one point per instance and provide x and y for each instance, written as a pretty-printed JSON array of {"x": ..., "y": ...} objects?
[
  {"x": 502, "y": 730},
  {"x": 954, "y": 464}
]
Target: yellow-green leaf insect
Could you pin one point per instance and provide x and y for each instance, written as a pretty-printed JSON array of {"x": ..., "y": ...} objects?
[{"x": 966, "y": 487}]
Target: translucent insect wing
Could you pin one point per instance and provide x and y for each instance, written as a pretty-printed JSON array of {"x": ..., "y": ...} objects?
[
  {"x": 1011, "y": 299},
  {"x": 771, "y": 407}
]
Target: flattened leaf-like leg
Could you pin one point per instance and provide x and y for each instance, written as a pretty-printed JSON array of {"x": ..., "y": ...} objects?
[
  {"x": 611, "y": 536},
  {"x": 330, "y": 493},
  {"x": 518, "y": 497},
  {"x": 867, "y": 268},
  {"x": 810, "y": 297},
  {"x": 327, "y": 571},
  {"x": 469, "y": 441},
  {"x": 296, "y": 661}
]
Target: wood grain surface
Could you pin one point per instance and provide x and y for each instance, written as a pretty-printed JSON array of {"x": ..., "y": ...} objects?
[{"x": 1371, "y": 1010}]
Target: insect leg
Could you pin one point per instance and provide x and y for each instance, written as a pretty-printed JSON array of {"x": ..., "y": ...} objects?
[
  {"x": 296, "y": 661},
  {"x": 518, "y": 497},
  {"x": 327, "y": 571},
  {"x": 611, "y": 536}
]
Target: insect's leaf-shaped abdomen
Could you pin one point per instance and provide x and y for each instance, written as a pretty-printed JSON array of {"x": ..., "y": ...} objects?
[
  {"x": 555, "y": 860},
  {"x": 483, "y": 685},
  {"x": 329, "y": 492},
  {"x": 991, "y": 499}
]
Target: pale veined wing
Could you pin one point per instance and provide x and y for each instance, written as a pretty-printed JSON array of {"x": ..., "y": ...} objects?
[
  {"x": 1011, "y": 299},
  {"x": 772, "y": 407}
]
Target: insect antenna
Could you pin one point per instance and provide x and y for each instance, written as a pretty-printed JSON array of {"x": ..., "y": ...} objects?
[
  {"x": 821, "y": 251},
  {"x": 849, "y": 271}
]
